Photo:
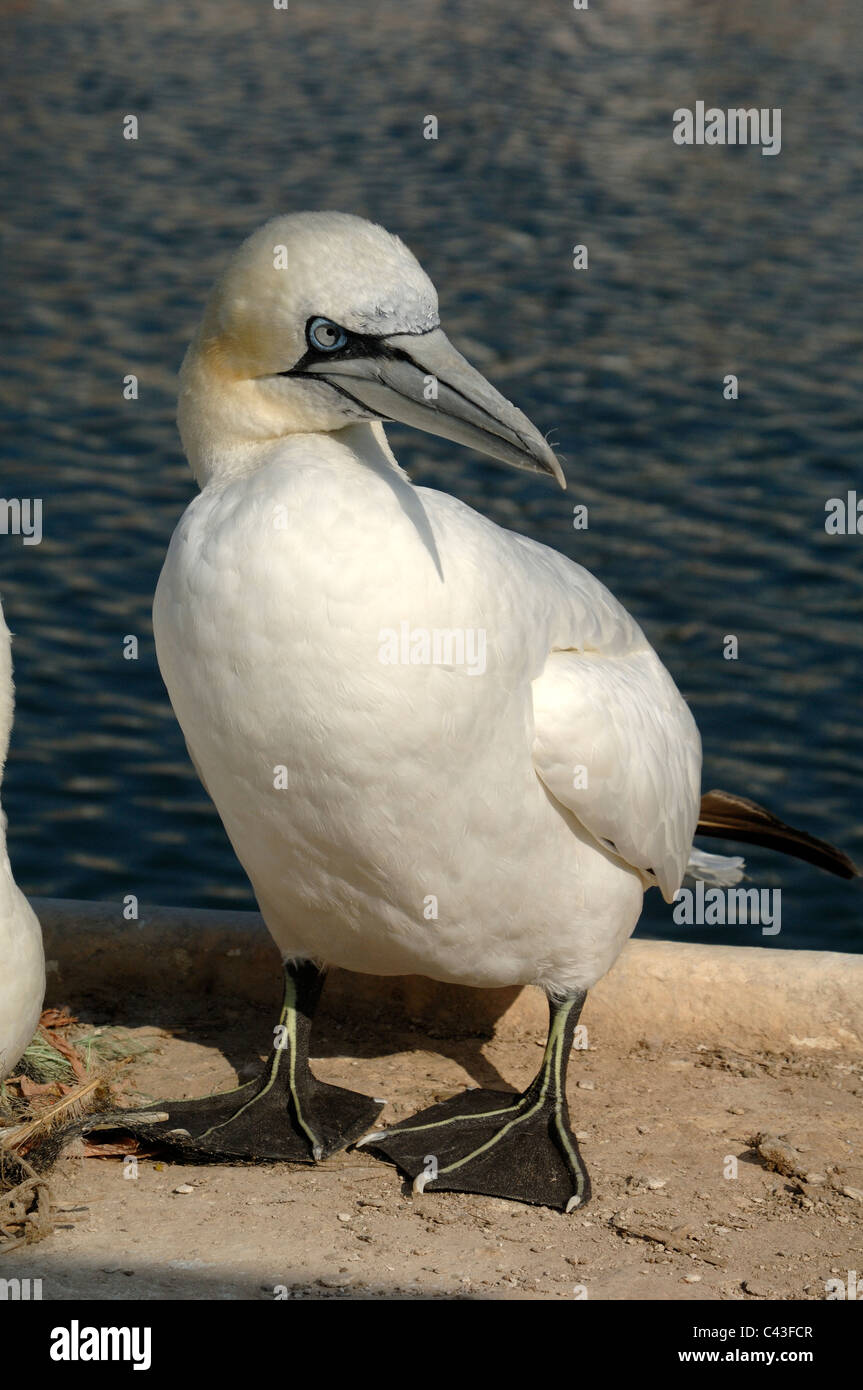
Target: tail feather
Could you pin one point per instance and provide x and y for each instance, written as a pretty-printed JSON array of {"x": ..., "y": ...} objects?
[{"x": 728, "y": 817}]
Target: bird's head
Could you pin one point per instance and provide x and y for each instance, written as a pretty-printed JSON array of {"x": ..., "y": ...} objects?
[{"x": 322, "y": 320}]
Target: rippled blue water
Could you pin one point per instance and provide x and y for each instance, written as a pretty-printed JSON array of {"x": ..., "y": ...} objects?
[{"x": 706, "y": 516}]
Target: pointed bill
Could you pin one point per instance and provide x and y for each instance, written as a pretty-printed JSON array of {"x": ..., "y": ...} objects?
[{"x": 423, "y": 381}]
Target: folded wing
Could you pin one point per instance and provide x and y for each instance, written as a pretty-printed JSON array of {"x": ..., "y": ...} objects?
[{"x": 616, "y": 744}]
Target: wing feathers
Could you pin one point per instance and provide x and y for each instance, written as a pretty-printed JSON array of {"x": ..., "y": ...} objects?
[{"x": 616, "y": 745}]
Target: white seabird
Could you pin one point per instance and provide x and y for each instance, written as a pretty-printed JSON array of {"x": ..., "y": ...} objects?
[
  {"x": 22, "y": 961},
  {"x": 437, "y": 747}
]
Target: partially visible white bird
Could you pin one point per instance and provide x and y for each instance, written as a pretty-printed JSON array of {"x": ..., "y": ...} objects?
[
  {"x": 437, "y": 746},
  {"x": 22, "y": 961}
]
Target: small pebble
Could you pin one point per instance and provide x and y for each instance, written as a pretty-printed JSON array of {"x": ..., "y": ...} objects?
[
  {"x": 692, "y": 1278},
  {"x": 344, "y": 1216},
  {"x": 758, "y": 1289},
  {"x": 777, "y": 1154},
  {"x": 184, "y": 1189}
]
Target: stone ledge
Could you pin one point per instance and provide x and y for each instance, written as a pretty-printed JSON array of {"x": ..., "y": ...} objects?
[{"x": 731, "y": 996}]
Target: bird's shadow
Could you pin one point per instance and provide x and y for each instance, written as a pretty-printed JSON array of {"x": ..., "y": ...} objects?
[{"x": 243, "y": 1036}]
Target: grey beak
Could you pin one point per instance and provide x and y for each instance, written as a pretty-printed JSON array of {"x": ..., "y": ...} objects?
[{"x": 421, "y": 380}]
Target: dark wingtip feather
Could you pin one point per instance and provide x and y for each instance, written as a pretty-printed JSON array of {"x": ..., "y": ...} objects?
[{"x": 726, "y": 816}]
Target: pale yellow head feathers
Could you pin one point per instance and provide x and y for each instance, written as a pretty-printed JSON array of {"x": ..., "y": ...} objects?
[
  {"x": 323, "y": 321},
  {"x": 289, "y": 271}
]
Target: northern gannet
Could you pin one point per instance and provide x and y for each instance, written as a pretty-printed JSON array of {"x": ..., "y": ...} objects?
[
  {"x": 437, "y": 747},
  {"x": 22, "y": 961}
]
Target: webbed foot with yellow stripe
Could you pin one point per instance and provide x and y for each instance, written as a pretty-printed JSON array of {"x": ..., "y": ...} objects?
[
  {"x": 516, "y": 1146},
  {"x": 286, "y": 1114}
]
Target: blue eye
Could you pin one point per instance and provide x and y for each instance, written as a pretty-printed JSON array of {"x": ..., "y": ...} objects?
[{"x": 326, "y": 336}]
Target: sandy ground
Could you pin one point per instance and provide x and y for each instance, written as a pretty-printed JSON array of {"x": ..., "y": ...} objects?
[{"x": 657, "y": 1128}]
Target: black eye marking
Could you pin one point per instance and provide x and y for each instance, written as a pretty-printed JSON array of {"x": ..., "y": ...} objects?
[
  {"x": 353, "y": 345},
  {"x": 345, "y": 345}
]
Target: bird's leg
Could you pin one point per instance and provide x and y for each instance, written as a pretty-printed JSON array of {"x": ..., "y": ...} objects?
[
  {"x": 516, "y": 1146},
  {"x": 286, "y": 1113}
]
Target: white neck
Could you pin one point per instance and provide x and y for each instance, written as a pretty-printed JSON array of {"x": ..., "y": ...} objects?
[
  {"x": 227, "y": 430},
  {"x": 221, "y": 422}
]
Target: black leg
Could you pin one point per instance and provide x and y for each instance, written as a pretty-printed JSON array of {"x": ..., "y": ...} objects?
[
  {"x": 516, "y": 1146},
  {"x": 286, "y": 1113}
]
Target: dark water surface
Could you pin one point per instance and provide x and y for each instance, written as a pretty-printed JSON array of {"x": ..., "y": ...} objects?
[{"x": 706, "y": 516}]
